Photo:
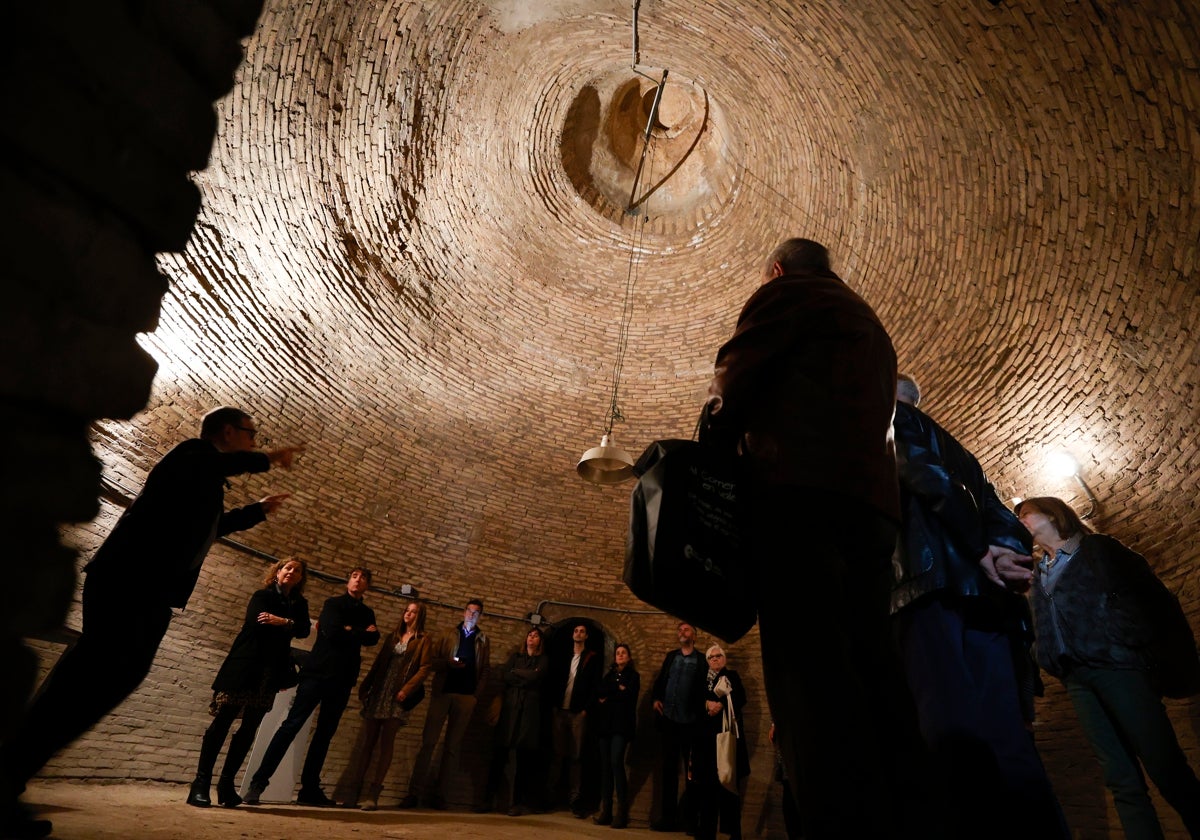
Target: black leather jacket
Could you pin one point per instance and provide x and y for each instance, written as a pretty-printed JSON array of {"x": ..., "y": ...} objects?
[
  {"x": 950, "y": 515},
  {"x": 1108, "y": 605}
]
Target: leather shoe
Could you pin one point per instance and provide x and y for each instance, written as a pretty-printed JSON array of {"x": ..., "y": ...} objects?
[
  {"x": 198, "y": 795},
  {"x": 603, "y": 818},
  {"x": 314, "y": 798},
  {"x": 227, "y": 795},
  {"x": 409, "y": 801}
]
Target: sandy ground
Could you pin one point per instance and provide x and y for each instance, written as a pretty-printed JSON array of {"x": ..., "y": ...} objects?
[{"x": 133, "y": 811}]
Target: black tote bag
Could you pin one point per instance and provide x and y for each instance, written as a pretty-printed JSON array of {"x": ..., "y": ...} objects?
[{"x": 684, "y": 551}]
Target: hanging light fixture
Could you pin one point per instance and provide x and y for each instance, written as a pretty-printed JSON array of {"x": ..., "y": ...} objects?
[
  {"x": 605, "y": 464},
  {"x": 609, "y": 463}
]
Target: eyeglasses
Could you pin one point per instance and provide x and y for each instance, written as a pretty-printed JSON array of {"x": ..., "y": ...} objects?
[{"x": 251, "y": 432}]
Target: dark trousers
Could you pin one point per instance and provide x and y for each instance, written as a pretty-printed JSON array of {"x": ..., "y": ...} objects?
[
  {"x": 613, "y": 777},
  {"x": 675, "y": 740},
  {"x": 844, "y": 720},
  {"x": 791, "y": 814},
  {"x": 332, "y": 697},
  {"x": 122, "y": 629},
  {"x": 1124, "y": 719},
  {"x": 959, "y": 663},
  {"x": 239, "y": 746},
  {"x": 518, "y": 769},
  {"x": 717, "y": 807}
]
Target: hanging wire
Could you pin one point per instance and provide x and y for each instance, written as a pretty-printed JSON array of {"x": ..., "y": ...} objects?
[
  {"x": 637, "y": 237},
  {"x": 759, "y": 185}
]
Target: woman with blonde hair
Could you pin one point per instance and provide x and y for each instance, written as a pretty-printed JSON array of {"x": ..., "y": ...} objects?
[
  {"x": 258, "y": 666},
  {"x": 393, "y": 686}
]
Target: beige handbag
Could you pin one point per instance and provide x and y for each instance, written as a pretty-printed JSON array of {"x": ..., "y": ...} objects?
[{"x": 727, "y": 748}]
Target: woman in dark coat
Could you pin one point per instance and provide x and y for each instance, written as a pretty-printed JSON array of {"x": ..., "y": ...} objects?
[
  {"x": 723, "y": 688},
  {"x": 615, "y": 721},
  {"x": 400, "y": 669},
  {"x": 258, "y": 666},
  {"x": 519, "y": 733},
  {"x": 1103, "y": 620}
]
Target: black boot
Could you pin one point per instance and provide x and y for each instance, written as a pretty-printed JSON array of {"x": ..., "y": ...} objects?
[
  {"x": 210, "y": 745},
  {"x": 227, "y": 795},
  {"x": 198, "y": 796},
  {"x": 621, "y": 819}
]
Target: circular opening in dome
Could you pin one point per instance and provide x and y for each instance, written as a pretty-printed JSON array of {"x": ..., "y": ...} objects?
[{"x": 685, "y": 171}]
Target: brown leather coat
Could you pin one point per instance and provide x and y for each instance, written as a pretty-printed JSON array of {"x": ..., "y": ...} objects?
[{"x": 807, "y": 388}]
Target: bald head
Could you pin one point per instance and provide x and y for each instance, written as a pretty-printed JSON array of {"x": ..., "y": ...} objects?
[{"x": 796, "y": 255}]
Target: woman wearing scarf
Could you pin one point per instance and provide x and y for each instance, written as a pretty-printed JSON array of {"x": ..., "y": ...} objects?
[{"x": 722, "y": 714}]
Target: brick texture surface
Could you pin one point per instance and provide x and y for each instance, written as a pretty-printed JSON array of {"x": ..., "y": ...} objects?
[{"x": 410, "y": 257}]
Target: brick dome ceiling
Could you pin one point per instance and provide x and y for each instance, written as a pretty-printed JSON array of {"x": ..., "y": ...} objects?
[{"x": 413, "y": 251}]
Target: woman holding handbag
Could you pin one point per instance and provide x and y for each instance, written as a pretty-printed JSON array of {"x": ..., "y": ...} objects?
[
  {"x": 258, "y": 666},
  {"x": 720, "y": 760},
  {"x": 393, "y": 686}
]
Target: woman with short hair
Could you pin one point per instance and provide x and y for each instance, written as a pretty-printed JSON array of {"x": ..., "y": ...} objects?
[{"x": 720, "y": 802}]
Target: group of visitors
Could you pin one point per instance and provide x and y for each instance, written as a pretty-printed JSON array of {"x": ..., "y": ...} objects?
[
  {"x": 899, "y": 651},
  {"x": 552, "y": 711}
]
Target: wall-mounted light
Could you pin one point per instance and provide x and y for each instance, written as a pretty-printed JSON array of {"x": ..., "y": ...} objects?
[{"x": 1062, "y": 464}]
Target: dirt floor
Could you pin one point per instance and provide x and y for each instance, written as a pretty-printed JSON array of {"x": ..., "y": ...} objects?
[{"x": 150, "y": 811}]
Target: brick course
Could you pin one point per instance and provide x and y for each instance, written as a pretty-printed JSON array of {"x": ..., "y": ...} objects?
[{"x": 392, "y": 263}]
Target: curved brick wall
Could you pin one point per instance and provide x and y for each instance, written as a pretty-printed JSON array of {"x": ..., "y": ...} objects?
[{"x": 406, "y": 258}]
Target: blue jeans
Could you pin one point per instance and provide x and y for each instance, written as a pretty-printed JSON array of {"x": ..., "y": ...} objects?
[
  {"x": 612, "y": 774},
  {"x": 332, "y": 697},
  {"x": 1124, "y": 719},
  {"x": 959, "y": 663}
]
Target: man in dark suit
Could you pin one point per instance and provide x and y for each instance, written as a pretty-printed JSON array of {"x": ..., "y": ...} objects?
[
  {"x": 148, "y": 565},
  {"x": 345, "y": 627}
]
